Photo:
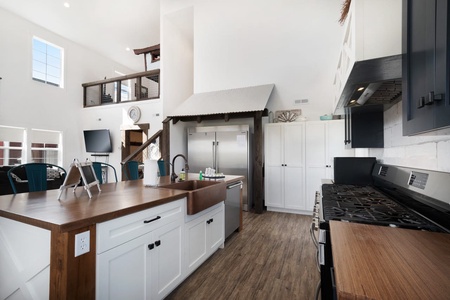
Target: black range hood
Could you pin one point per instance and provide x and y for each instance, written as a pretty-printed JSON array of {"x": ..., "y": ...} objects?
[{"x": 372, "y": 81}]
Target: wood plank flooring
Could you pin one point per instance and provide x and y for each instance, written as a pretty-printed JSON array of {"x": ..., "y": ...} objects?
[{"x": 272, "y": 258}]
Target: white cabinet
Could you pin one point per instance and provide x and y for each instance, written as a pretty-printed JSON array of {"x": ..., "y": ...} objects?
[
  {"x": 205, "y": 233},
  {"x": 324, "y": 140},
  {"x": 297, "y": 157},
  {"x": 147, "y": 265},
  {"x": 284, "y": 166}
]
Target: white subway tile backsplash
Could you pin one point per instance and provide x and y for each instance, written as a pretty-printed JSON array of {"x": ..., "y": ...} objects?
[
  {"x": 443, "y": 154},
  {"x": 426, "y": 151}
]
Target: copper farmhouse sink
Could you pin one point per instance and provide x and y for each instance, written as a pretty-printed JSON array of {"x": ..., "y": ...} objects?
[{"x": 201, "y": 194}]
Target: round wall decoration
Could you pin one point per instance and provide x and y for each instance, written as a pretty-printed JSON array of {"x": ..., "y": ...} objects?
[{"x": 134, "y": 113}]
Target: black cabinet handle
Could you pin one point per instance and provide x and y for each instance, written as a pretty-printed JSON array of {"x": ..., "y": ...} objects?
[
  {"x": 209, "y": 221},
  {"x": 432, "y": 97},
  {"x": 212, "y": 220},
  {"x": 157, "y": 243},
  {"x": 149, "y": 221},
  {"x": 151, "y": 246},
  {"x": 421, "y": 102}
]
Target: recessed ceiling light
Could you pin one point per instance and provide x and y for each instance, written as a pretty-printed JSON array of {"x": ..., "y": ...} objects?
[
  {"x": 352, "y": 101},
  {"x": 66, "y": 4},
  {"x": 127, "y": 48},
  {"x": 360, "y": 89}
]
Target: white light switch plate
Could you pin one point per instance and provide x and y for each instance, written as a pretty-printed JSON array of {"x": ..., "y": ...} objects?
[{"x": 82, "y": 243}]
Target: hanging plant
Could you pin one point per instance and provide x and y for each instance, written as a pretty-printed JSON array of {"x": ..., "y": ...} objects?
[{"x": 344, "y": 11}]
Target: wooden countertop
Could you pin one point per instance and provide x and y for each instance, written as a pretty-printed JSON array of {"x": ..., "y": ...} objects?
[
  {"x": 43, "y": 209},
  {"x": 376, "y": 262}
]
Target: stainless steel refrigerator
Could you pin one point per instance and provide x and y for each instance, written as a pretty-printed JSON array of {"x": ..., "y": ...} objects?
[{"x": 227, "y": 149}]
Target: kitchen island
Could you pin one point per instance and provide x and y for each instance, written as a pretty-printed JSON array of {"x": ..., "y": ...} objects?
[
  {"x": 377, "y": 262},
  {"x": 57, "y": 222}
]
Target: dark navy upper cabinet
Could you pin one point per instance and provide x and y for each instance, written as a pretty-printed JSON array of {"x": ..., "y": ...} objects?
[{"x": 426, "y": 101}]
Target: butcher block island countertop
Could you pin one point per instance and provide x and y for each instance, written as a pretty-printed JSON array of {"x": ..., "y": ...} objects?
[
  {"x": 75, "y": 210},
  {"x": 376, "y": 262},
  {"x": 74, "y": 277}
]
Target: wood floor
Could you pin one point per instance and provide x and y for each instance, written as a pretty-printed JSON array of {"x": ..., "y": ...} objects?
[{"x": 272, "y": 258}]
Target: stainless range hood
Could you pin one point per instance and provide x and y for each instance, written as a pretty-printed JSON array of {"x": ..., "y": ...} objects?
[{"x": 373, "y": 81}]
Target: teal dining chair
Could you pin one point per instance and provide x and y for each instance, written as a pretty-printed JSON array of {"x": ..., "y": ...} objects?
[
  {"x": 131, "y": 169},
  {"x": 36, "y": 175},
  {"x": 98, "y": 170}
]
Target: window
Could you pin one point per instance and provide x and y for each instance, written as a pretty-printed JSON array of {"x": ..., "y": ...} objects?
[
  {"x": 15, "y": 145},
  {"x": 47, "y": 62},
  {"x": 11, "y": 145},
  {"x": 45, "y": 146}
]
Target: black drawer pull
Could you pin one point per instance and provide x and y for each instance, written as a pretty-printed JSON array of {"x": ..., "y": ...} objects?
[
  {"x": 421, "y": 102},
  {"x": 149, "y": 221},
  {"x": 151, "y": 246},
  {"x": 157, "y": 243}
]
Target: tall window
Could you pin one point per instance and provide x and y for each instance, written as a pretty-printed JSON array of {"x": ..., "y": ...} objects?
[
  {"x": 11, "y": 145},
  {"x": 48, "y": 62}
]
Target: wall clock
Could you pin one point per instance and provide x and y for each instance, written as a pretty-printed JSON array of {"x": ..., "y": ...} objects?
[{"x": 134, "y": 113}]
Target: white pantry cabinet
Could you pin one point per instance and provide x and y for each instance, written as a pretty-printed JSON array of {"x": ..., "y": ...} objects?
[
  {"x": 205, "y": 233},
  {"x": 148, "y": 265},
  {"x": 298, "y": 156},
  {"x": 284, "y": 167},
  {"x": 324, "y": 140}
]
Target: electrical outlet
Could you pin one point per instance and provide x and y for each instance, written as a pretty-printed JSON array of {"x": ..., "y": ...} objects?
[{"x": 82, "y": 241}]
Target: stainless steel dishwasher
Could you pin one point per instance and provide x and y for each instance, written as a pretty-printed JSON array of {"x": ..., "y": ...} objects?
[{"x": 233, "y": 207}]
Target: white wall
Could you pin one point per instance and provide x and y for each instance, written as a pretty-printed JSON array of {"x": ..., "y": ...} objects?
[
  {"x": 426, "y": 151},
  {"x": 176, "y": 66},
  {"x": 31, "y": 104},
  {"x": 293, "y": 44}
]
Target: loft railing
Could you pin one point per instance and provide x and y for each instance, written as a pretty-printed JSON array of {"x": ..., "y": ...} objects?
[{"x": 133, "y": 87}]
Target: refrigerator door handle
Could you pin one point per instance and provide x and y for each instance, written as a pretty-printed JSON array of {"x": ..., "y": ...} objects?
[
  {"x": 216, "y": 160},
  {"x": 214, "y": 154}
]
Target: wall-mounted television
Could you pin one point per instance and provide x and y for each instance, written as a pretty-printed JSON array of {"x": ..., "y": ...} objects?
[{"x": 97, "y": 141}]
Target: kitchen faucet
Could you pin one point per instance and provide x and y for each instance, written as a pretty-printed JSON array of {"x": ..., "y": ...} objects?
[{"x": 174, "y": 176}]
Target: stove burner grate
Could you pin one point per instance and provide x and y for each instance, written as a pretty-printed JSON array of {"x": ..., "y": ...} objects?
[{"x": 367, "y": 205}]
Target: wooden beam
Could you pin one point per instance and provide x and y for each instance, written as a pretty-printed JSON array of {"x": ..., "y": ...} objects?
[
  {"x": 165, "y": 144},
  {"x": 258, "y": 163}
]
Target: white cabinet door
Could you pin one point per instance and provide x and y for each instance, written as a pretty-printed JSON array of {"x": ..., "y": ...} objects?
[
  {"x": 274, "y": 186},
  {"x": 294, "y": 188},
  {"x": 284, "y": 166},
  {"x": 204, "y": 235},
  {"x": 122, "y": 272},
  {"x": 293, "y": 141},
  {"x": 195, "y": 243},
  {"x": 215, "y": 227},
  {"x": 316, "y": 159},
  {"x": 167, "y": 259},
  {"x": 273, "y": 145}
]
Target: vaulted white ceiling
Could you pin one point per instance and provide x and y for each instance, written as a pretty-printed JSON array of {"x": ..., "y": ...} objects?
[{"x": 105, "y": 26}]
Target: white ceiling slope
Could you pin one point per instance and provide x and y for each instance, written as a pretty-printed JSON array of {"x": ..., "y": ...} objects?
[{"x": 104, "y": 26}]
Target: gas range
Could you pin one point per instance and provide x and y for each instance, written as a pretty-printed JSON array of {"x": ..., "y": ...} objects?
[{"x": 396, "y": 196}]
